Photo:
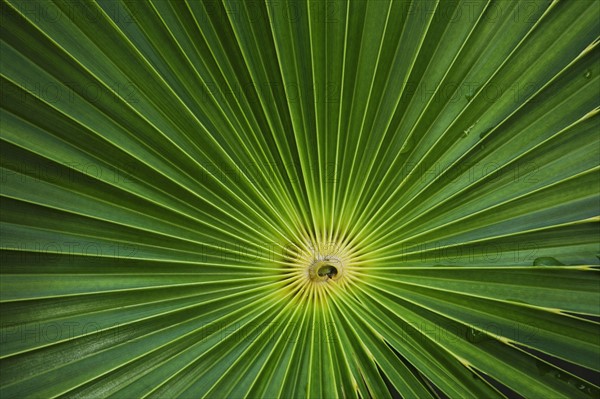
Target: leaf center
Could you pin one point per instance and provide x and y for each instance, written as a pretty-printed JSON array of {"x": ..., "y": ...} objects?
[
  {"x": 323, "y": 270},
  {"x": 327, "y": 270}
]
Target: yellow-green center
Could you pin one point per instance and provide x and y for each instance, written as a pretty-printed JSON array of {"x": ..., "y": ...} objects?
[{"x": 325, "y": 269}]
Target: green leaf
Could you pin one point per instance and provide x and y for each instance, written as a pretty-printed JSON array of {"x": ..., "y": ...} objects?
[{"x": 299, "y": 199}]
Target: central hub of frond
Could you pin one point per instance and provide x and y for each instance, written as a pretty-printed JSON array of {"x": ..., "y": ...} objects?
[
  {"x": 327, "y": 268},
  {"x": 321, "y": 266}
]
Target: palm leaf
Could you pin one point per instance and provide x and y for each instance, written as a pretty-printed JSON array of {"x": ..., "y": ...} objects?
[{"x": 300, "y": 199}]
